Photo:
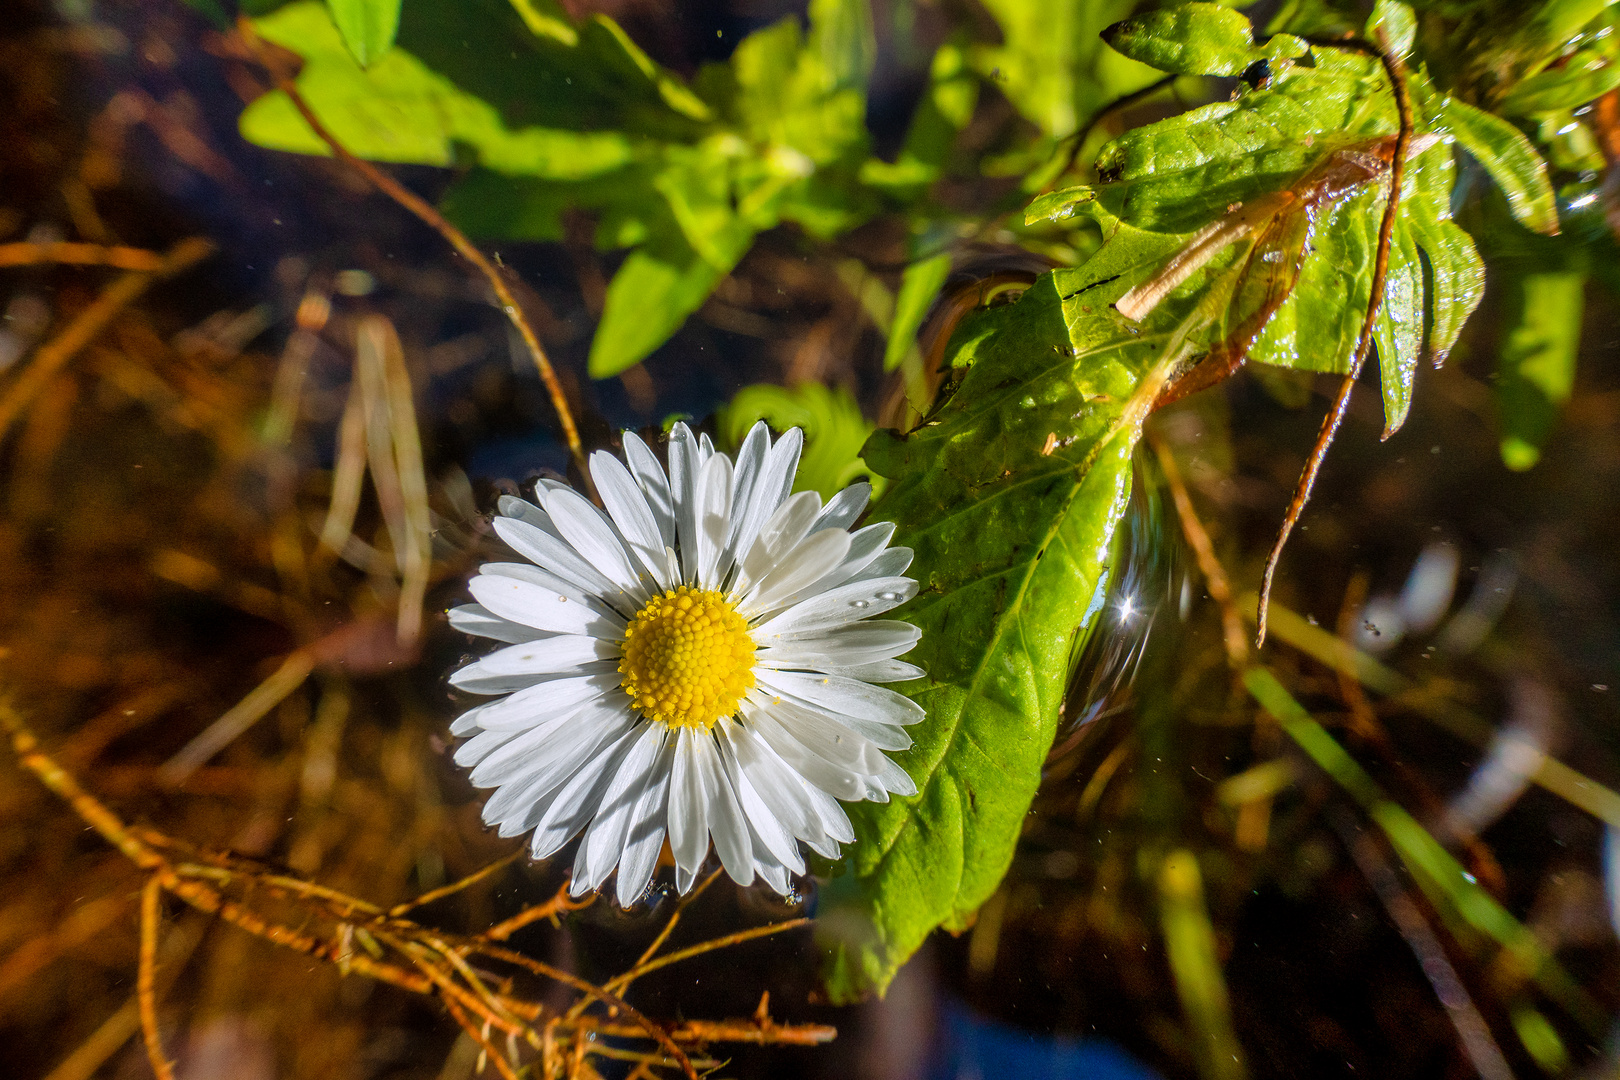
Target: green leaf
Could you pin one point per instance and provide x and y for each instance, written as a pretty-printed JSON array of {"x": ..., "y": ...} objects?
[
  {"x": 399, "y": 110},
  {"x": 1058, "y": 205},
  {"x": 1052, "y": 64},
  {"x": 1586, "y": 76},
  {"x": 1196, "y": 39},
  {"x": 919, "y": 285},
  {"x": 1010, "y": 495},
  {"x": 953, "y": 93},
  {"x": 1393, "y": 26},
  {"x": 1503, "y": 151},
  {"x": 842, "y": 35},
  {"x": 368, "y": 26},
  {"x": 834, "y": 431},
  {"x": 1537, "y": 362}
]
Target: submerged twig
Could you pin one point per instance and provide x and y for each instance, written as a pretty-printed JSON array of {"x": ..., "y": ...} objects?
[
  {"x": 146, "y": 977},
  {"x": 437, "y": 221},
  {"x": 90, "y": 322},
  {"x": 1215, "y": 580},
  {"x": 1341, "y": 404}
]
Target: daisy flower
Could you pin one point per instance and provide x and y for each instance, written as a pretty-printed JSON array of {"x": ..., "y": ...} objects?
[{"x": 698, "y": 661}]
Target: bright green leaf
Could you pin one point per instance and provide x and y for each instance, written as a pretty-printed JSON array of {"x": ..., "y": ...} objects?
[
  {"x": 842, "y": 35},
  {"x": 1393, "y": 26},
  {"x": 368, "y": 26},
  {"x": 1585, "y": 77},
  {"x": 1194, "y": 39},
  {"x": 834, "y": 431},
  {"x": 1504, "y": 152},
  {"x": 919, "y": 285},
  {"x": 1010, "y": 496},
  {"x": 399, "y": 110},
  {"x": 1537, "y": 363}
]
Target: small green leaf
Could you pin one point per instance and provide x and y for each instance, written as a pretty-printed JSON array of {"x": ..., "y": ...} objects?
[
  {"x": 842, "y": 35},
  {"x": 1537, "y": 363},
  {"x": 1585, "y": 77},
  {"x": 1504, "y": 152},
  {"x": 919, "y": 285},
  {"x": 368, "y": 26},
  {"x": 1194, "y": 39},
  {"x": 399, "y": 110},
  {"x": 1195, "y": 964},
  {"x": 1399, "y": 329},
  {"x": 1058, "y": 205},
  {"x": 1393, "y": 26},
  {"x": 834, "y": 431}
]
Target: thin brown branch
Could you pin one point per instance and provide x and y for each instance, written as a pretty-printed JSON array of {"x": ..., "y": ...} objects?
[
  {"x": 547, "y": 910},
  {"x": 1341, "y": 404},
  {"x": 436, "y": 221},
  {"x": 146, "y": 977},
  {"x": 65, "y": 252},
  {"x": 1220, "y": 589},
  {"x": 54, "y": 354},
  {"x": 618, "y": 982},
  {"x": 456, "y": 886},
  {"x": 490, "y": 1051}
]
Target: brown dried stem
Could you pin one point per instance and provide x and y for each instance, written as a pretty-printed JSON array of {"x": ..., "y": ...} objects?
[
  {"x": 1341, "y": 404},
  {"x": 26, "y": 253},
  {"x": 146, "y": 977},
  {"x": 1220, "y": 589},
  {"x": 436, "y": 221}
]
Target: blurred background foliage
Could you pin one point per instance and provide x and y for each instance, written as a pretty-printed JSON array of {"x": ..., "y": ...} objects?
[{"x": 232, "y": 511}]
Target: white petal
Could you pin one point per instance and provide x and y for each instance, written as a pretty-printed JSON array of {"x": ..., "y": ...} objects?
[
  {"x": 727, "y": 822},
  {"x": 628, "y": 507},
  {"x": 609, "y": 830},
  {"x": 553, "y": 555},
  {"x": 705, "y": 448},
  {"x": 523, "y": 756},
  {"x": 654, "y": 485},
  {"x": 780, "y": 535},
  {"x": 846, "y": 646},
  {"x": 645, "y": 839},
  {"x": 779, "y": 785},
  {"x": 517, "y": 666},
  {"x": 479, "y": 621},
  {"x": 801, "y": 568},
  {"x": 771, "y": 872},
  {"x": 524, "y": 510},
  {"x": 834, "y": 822},
  {"x": 765, "y": 828},
  {"x": 837, "y": 780},
  {"x": 590, "y": 534},
  {"x": 684, "y": 468},
  {"x": 750, "y": 462},
  {"x": 865, "y": 545},
  {"x": 688, "y": 805},
  {"x": 544, "y": 609},
  {"x": 713, "y": 509},
  {"x": 580, "y": 797},
  {"x": 480, "y": 746},
  {"x": 881, "y": 671},
  {"x": 895, "y": 779},
  {"x": 769, "y": 490},
  {"x": 845, "y": 697},
  {"x": 546, "y": 580},
  {"x": 837, "y": 607},
  {"x": 891, "y": 563},
  {"x": 520, "y": 804},
  {"x": 844, "y": 508},
  {"x": 467, "y": 722},
  {"x": 544, "y": 700}
]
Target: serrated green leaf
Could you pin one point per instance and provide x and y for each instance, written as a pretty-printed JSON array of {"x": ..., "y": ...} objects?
[
  {"x": 399, "y": 110},
  {"x": 368, "y": 26},
  {"x": 1503, "y": 152},
  {"x": 1537, "y": 361},
  {"x": 834, "y": 431},
  {"x": 1010, "y": 495},
  {"x": 1196, "y": 39},
  {"x": 919, "y": 285}
]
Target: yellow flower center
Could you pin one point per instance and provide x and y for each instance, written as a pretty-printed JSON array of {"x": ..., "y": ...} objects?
[{"x": 688, "y": 658}]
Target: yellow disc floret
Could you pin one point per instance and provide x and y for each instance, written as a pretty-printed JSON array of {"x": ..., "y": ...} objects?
[{"x": 688, "y": 658}]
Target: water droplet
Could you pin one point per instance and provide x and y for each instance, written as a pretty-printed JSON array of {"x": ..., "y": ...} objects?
[
  {"x": 858, "y": 604},
  {"x": 888, "y": 596}
]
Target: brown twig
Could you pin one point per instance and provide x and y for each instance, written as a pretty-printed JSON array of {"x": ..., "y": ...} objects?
[
  {"x": 146, "y": 977},
  {"x": 1341, "y": 404},
  {"x": 1220, "y": 590},
  {"x": 547, "y": 910},
  {"x": 456, "y": 886},
  {"x": 25, "y": 253},
  {"x": 436, "y": 221},
  {"x": 54, "y": 354},
  {"x": 618, "y": 982}
]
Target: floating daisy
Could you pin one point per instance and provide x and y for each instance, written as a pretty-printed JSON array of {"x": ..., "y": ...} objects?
[{"x": 698, "y": 661}]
